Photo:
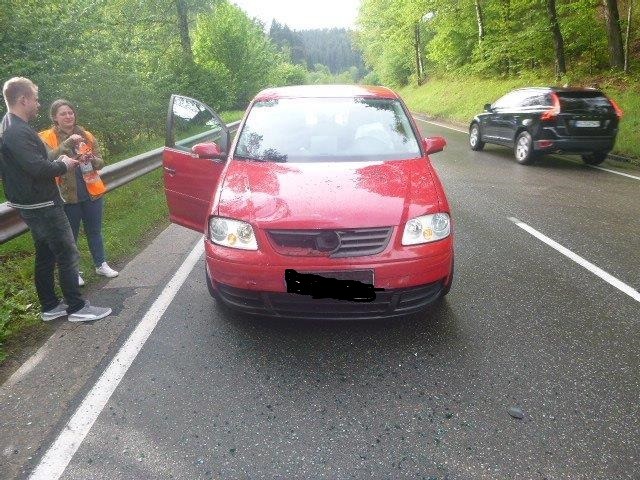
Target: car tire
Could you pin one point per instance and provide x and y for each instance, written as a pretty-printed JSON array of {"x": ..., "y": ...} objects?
[
  {"x": 475, "y": 137},
  {"x": 594, "y": 158},
  {"x": 523, "y": 149}
]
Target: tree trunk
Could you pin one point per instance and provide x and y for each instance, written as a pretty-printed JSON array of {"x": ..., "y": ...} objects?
[
  {"x": 506, "y": 20},
  {"x": 612, "y": 19},
  {"x": 183, "y": 27},
  {"x": 558, "y": 41},
  {"x": 480, "y": 20},
  {"x": 626, "y": 41},
  {"x": 418, "y": 59}
]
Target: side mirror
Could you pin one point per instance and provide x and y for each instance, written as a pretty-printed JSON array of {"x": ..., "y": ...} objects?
[
  {"x": 487, "y": 107},
  {"x": 433, "y": 144},
  {"x": 208, "y": 150}
]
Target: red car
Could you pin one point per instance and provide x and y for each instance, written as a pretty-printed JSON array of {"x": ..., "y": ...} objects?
[{"x": 324, "y": 206}]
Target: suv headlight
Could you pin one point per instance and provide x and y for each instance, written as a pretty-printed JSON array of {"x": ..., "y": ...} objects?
[
  {"x": 232, "y": 233},
  {"x": 427, "y": 228}
]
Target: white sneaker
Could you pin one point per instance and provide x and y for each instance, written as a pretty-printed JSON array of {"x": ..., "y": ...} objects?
[
  {"x": 80, "y": 281},
  {"x": 56, "y": 312},
  {"x": 106, "y": 270},
  {"x": 89, "y": 313}
]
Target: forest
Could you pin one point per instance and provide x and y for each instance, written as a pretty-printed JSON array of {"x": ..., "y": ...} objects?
[
  {"x": 407, "y": 41},
  {"x": 330, "y": 47},
  {"x": 119, "y": 60}
]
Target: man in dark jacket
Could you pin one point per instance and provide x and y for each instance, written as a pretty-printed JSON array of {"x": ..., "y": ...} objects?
[{"x": 29, "y": 185}]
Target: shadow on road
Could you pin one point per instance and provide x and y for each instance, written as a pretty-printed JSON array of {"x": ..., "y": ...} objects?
[{"x": 332, "y": 346}]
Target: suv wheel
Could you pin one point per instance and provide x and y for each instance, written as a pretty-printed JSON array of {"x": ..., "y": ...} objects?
[
  {"x": 523, "y": 149},
  {"x": 595, "y": 158},
  {"x": 475, "y": 141}
]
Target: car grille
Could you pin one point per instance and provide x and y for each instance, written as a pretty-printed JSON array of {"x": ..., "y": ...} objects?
[
  {"x": 388, "y": 303},
  {"x": 331, "y": 243}
]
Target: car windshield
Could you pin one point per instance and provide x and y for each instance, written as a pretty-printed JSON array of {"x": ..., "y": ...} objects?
[{"x": 327, "y": 130}]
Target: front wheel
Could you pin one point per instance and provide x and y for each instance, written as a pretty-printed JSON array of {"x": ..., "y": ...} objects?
[
  {"x": 594, "y": 158},
  {"x": 475, "y": 140},
  {"x": 523, "y": 149}
]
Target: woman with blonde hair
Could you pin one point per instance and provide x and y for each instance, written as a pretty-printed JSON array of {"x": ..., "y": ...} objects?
[{"x": 82, "y": 189}]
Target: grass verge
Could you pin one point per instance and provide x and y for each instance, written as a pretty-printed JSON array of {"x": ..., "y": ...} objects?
[
  {"x": 459, "y": 99},
  {"x": 133, "y": 214}
]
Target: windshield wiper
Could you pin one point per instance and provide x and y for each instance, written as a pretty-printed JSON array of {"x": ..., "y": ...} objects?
[{"x": 242, "y": 157}]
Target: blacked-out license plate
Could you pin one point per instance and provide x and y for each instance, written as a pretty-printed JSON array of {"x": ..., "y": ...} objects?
[{"x": 354, "y": 285}]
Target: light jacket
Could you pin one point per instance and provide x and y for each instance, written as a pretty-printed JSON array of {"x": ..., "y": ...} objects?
[{"x": 57, "y": 144}]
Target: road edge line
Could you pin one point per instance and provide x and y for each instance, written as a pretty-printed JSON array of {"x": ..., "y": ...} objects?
[{"x": 56, "y": 459}]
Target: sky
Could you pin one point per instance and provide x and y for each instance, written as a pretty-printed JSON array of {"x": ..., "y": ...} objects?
[{"x": 303, "y": 14}]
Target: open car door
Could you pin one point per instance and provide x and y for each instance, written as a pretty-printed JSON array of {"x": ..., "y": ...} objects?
[{"x": 193, "y": 158}]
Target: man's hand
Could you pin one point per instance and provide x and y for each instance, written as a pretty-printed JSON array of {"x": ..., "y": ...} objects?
[{"x": 68, "y": 161}]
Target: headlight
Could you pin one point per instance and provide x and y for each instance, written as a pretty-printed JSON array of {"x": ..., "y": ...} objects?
[
  {"x": 232, "y": 233},
  {"x": 427, "y": 228}
]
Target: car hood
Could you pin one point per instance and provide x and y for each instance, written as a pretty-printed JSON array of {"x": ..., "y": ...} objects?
[{"x": 328, "y": 195}]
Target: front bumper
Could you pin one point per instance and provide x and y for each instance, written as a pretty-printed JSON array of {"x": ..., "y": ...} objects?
[
  {"x": 387, "y": 304},
  {"x": 406, "y": 281}
]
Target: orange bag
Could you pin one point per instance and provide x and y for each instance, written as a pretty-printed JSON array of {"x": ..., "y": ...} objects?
[{"x": 95, "y": 185}]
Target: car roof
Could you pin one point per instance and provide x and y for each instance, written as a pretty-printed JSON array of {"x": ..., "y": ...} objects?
[
  {"x": 561, "y": 89},
  {"x": 327, "y": 91}
]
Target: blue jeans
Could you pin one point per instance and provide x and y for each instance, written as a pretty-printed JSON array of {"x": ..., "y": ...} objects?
[
  {"x": 54, "y": 244},
  {"x": 90, "y": 212}
]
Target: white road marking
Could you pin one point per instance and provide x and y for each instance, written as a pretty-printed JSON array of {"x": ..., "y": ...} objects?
[
  {"x": 610, "y": 279},
  {"x": 614, "y": 171},
  {"x": 28, "y": 366},
  {"x": 55, "y": 461},
  {"x": 592, "y": 166},
  {"x": 441, "y": 125}
]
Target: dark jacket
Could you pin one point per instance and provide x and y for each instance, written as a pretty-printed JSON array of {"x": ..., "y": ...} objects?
[{"x": 27, "y": 175}]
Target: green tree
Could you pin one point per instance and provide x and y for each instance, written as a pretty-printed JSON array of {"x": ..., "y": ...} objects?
[
  {"x": 227, "y": 40},
  {"x": 286, "y": 73}
]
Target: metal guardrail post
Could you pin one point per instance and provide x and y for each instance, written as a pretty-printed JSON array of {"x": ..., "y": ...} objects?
[{"x": 114, "y": 176}]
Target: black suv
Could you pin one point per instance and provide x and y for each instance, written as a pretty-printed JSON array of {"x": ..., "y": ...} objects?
[{"x": 534, "y": 121}]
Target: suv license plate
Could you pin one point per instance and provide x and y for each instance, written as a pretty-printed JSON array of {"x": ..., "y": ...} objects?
[{"x": 588, "y": 123}]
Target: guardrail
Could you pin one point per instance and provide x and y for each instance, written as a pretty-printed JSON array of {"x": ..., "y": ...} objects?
[{"x": 113, "y": 176}]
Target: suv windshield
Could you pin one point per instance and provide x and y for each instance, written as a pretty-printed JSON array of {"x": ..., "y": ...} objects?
[
  {"x": 327, "y": 130},
  {"x": 584, "y": 101}
]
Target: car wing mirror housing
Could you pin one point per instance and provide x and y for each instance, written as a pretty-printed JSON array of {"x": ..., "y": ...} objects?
[
  {"x": 433, "y": 144},
  {"x": 487, "y": 107},
  {"x": 209, "y": 150}
]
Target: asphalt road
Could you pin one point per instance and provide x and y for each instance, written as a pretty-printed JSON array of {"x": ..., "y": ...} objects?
[{"x": 213, "y": 395}]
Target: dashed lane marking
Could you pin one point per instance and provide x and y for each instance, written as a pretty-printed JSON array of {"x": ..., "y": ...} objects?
[{"x": 610, "y": 279}]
